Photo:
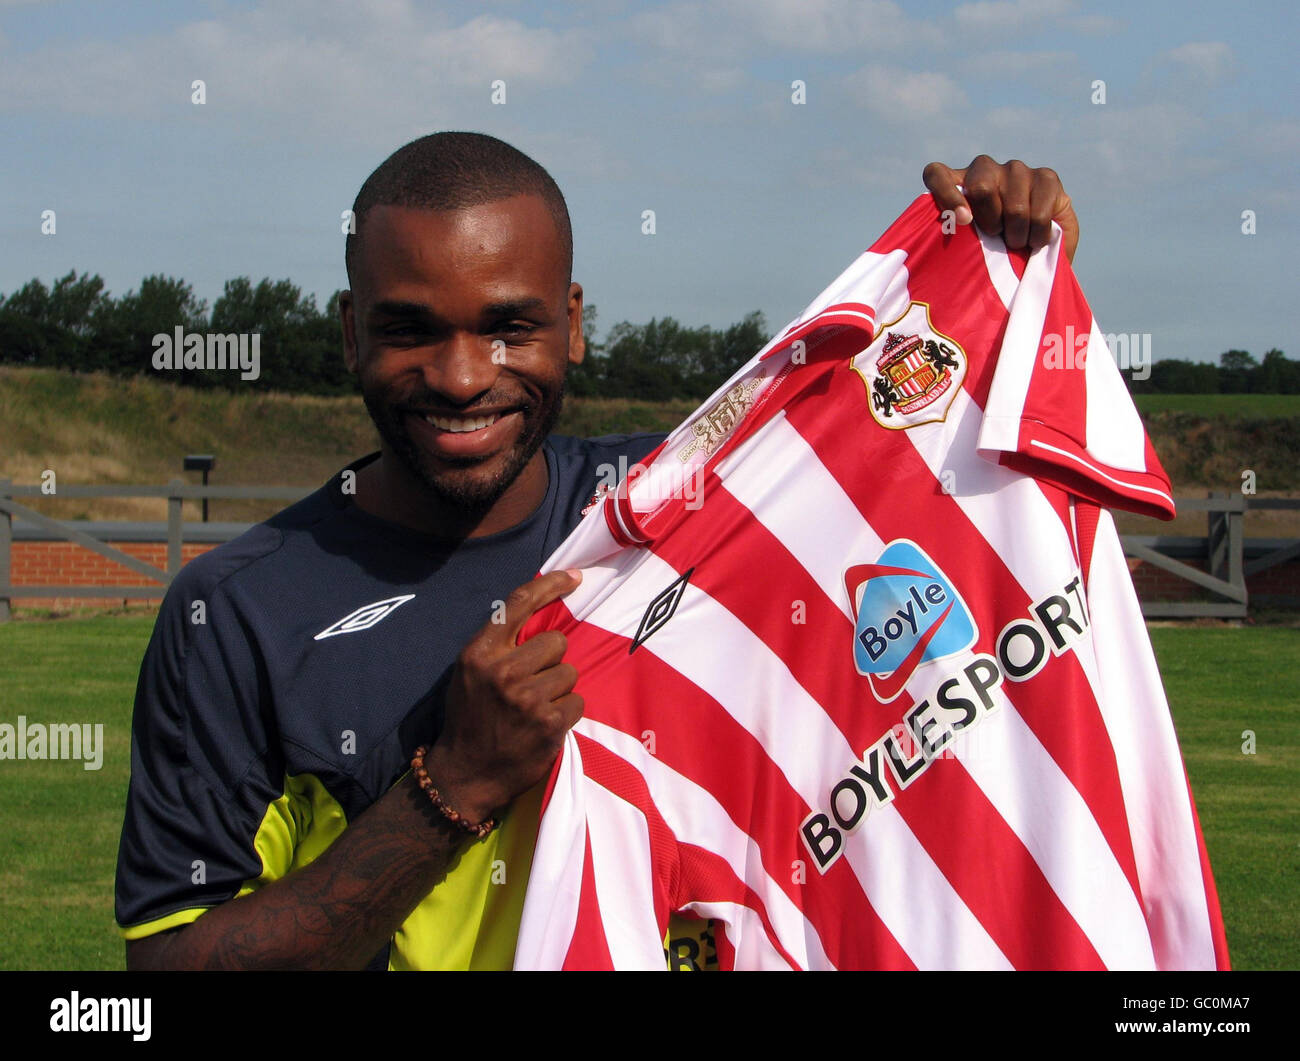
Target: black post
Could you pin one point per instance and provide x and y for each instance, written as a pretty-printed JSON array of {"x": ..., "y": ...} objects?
[{"x": 201, "y": 462}]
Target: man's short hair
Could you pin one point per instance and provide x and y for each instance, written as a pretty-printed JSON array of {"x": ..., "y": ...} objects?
[{"x": 453, "y": 170}]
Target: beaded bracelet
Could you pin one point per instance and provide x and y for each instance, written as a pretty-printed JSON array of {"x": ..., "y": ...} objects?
[{"x": 425, "y": 782}]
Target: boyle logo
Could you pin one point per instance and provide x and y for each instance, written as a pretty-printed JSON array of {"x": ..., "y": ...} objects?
[
  {"x": 912, "y": 372},
  {"x": 906, "y": 613}
]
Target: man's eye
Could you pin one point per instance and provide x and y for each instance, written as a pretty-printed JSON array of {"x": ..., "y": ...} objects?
[{"x": 515, "y": 328}]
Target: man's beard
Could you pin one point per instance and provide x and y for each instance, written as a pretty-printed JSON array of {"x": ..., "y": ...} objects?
[{"x": 469, "y": 496}]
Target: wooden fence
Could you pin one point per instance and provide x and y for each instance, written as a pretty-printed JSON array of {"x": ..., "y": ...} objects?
[{"x": 1226, "y": 557}]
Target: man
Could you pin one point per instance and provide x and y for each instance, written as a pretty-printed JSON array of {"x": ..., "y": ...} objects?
[{"x": 271, "y": 821}]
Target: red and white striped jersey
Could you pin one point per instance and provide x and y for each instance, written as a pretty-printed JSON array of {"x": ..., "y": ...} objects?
[{"x": 866, "y": 680}]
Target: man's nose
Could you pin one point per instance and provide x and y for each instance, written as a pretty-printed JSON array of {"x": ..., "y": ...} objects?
[{"x": 462, "y": 368}]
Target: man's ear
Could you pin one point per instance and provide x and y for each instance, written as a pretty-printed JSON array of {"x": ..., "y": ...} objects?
[
  {"x": 348, "y": 317},
  {"x": 577, "y": 341}
]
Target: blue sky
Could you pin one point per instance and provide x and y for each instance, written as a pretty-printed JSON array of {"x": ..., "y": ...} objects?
[{"x": 684, "y": 108}]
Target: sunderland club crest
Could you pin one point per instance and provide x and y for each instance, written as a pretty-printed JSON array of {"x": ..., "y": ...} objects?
[{"x": 912, "y": 372}]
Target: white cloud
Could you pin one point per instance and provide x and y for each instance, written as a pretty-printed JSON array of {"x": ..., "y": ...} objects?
[
  {"x": 1010, "y": 64},
  {"x": 1207, "y": 61},
  {"x": 831, "y": 25},
  {"x": 732, "y": 29},
  {"x": 901, "y": 95},
  {"x": 1003, "y": 15},
  {"x": 312, "y": 65},
  {"x": 1096, "y": 25}
]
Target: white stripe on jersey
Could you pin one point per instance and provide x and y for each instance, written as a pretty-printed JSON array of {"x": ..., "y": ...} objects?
[
  {"x": 555, "y": 880},
  {"x": 1114, "y": 429},
  {"x": 1001, "y": 275},
  {"x": 708, "y": 826},
  {"x": 1132, "y": 701},
  {"x": 1020, "y": 344},
  {"x": 745, "y": 931},
  {"x": 782, "y": 458},
  {"x": 620, "y": 850}
]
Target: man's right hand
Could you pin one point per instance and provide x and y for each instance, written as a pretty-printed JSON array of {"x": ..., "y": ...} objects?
[{"x": 508, "y": 707}]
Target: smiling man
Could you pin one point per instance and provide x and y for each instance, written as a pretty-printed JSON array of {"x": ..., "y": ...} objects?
[
  {"x": 462, "y": 430},
  {"x": 340, "y": 766}
]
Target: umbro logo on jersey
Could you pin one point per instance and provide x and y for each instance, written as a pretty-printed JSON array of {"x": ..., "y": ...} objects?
[
  {"x": 661, "y": 609},
  {"x": 364, "y": 617},
  {"x": 906, "y": 612},
  {"x": 912, "y": 372}
]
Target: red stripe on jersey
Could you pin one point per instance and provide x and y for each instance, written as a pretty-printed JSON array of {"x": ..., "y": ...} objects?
[
  {"x": 588, "y": 948},
  {"x": 983, "y": 859},
  {"x": 1058, "y": 387},
  {"x": 624, "y": 780},
  {"x": 963, "y": 303},
  {"x": 1086, "y": 515},
  {"x": 751, "y": 789},
  {"x": 855, "y": 315},
  {"x": 1077, "y": 739}
]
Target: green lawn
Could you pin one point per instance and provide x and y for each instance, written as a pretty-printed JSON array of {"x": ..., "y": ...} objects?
[
  {"x": 1233, "y": 406},
  {"x": 58, "y": 843}
]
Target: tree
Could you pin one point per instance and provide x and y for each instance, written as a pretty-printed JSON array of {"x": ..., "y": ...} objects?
[
  {"x": 655, "y": 361},
  {"x": 301, "y": 349},
  {"x": 585, "y": 380},
  {"x": 122, "y": 332},
  {"x": 727, "y": 351},
  {"x": 1276, "y": 375},
  {"x": 74, "y": 301},
  {"x": 1235, "y": 367}
]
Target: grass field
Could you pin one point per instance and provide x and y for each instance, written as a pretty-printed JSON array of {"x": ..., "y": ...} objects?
[
  {"x": 58, "y": 842},
  {"x": 1228, "y": 406}
]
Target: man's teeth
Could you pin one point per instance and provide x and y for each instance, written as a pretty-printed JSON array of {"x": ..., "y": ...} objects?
[{"x": 445, "y": 423}]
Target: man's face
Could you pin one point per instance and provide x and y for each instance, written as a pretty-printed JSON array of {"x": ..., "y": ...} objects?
[{"x": 461, "y": 327}]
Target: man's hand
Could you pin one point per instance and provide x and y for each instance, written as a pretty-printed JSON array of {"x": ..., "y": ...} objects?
[
  {"x": 1011, "y": 199},
  {"x": 508, "y": 707}
]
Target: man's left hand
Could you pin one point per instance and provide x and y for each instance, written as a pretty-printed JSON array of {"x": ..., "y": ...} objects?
[{"x": 1011, "y": 199}]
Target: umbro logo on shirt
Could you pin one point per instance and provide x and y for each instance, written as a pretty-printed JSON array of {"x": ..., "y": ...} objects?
[
  {"x": 364, "y": 617},
  {"x": 660, "y": 610}
]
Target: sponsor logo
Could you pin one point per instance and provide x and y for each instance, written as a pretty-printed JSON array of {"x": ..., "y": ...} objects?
[
  {"x": 661, "y": 609},
  {"x": 364, "y": 617},
  {"x": 912, "y": 372},
  {"x": 906, "y": 613},
  {"x": 959, "y": 698}
]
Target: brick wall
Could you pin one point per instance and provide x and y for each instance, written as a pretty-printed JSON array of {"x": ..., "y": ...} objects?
[
  {"x": 65, "y": 563},
  {"x": 1156, "y": 584}
]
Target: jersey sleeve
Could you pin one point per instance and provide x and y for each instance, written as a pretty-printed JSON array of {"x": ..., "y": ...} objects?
[
  {"x": 208, "y": 811},
  {"x": 1057, "y": 407}
]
